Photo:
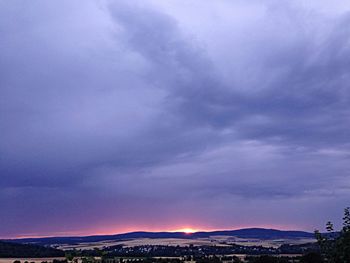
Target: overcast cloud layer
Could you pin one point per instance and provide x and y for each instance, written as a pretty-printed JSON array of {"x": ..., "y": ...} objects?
[{"x": 160, "y": 115}]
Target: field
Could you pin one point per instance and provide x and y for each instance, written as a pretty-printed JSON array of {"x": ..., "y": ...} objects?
[
  {"x": 211, "y": 241},
  {"x": 143, "y": 241}
]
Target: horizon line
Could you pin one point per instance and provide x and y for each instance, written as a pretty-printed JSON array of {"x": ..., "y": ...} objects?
[{"x": 71, "y": 235}]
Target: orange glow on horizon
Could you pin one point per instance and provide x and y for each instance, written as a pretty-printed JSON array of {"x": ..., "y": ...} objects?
[
  {"x": 187, "y": 230},
  {"x": 113, "y": 231}
]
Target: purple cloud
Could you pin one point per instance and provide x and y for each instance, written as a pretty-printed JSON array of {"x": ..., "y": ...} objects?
[{"x": 124, "y": 115}]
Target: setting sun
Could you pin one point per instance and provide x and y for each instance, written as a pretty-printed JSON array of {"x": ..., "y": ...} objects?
[{"x": 187, "y": 230}]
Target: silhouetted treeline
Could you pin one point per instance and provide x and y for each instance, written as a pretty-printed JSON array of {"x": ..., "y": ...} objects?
[
  {"x": 267, "y": 259},
  {"x": 335, "y": 246},
  {"x": 9, "y": 250},
  {"x": 178, "y": 251},
  {"x": 199, "y": 252}
]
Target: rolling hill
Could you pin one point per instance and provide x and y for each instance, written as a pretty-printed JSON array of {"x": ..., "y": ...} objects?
[{"x": 254, "y": 233}]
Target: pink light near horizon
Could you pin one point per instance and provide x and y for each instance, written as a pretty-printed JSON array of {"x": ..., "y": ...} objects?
[{"x": 112, "y": 231}]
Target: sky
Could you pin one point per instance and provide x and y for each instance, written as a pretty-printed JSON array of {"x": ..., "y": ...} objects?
[{"x": 119, "y": 116}]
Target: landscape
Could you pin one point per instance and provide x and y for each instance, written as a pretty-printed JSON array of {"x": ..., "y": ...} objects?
[
  {"x": 174, "y": 131},
  {"x": 242, "y": 245},
  {"x": 171, "y": 245}
]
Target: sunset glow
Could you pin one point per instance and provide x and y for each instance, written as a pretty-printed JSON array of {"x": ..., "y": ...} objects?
[{"x": 187, "y": 230}]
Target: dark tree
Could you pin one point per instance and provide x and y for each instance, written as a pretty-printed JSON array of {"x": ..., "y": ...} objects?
[
  {"x": 16, "y": 250},
  {"x": 335, "y": 247},
  {"x": 311, "y": 257},
  {"x": 267, "y": 259}
]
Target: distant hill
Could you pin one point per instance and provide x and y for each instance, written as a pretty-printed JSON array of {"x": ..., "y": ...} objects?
[
  {"x": 14, "y": 250},
  {"x": 258, "y": 233}
]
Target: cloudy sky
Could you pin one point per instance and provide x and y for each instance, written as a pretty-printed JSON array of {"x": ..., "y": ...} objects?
[{"x": 159, "y": 115}]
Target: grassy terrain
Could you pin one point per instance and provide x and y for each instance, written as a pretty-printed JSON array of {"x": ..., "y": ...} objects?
[{"x": 211, "y": 241}]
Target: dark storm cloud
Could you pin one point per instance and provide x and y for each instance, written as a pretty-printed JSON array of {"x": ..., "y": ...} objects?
[
  {"x": 310, "y": 94},
  {"x": 112, "y": 109}
]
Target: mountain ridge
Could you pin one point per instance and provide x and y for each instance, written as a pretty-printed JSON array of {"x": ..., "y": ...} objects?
[{"x": 254, "y": 233}]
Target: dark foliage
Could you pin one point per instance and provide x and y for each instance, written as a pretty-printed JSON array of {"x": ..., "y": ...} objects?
[
  {"x": 267, "y": 259},
  {"x": 335, "y": 247},
  {"x": 8, "y": 250},
  {"x": 299, "y": 249},
  {"x": 177, "y": 251},
  {"x": 311, "y": 257}
]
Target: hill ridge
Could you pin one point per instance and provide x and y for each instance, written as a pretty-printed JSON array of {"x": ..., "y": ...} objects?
[{"x": 258, "y": 233}]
